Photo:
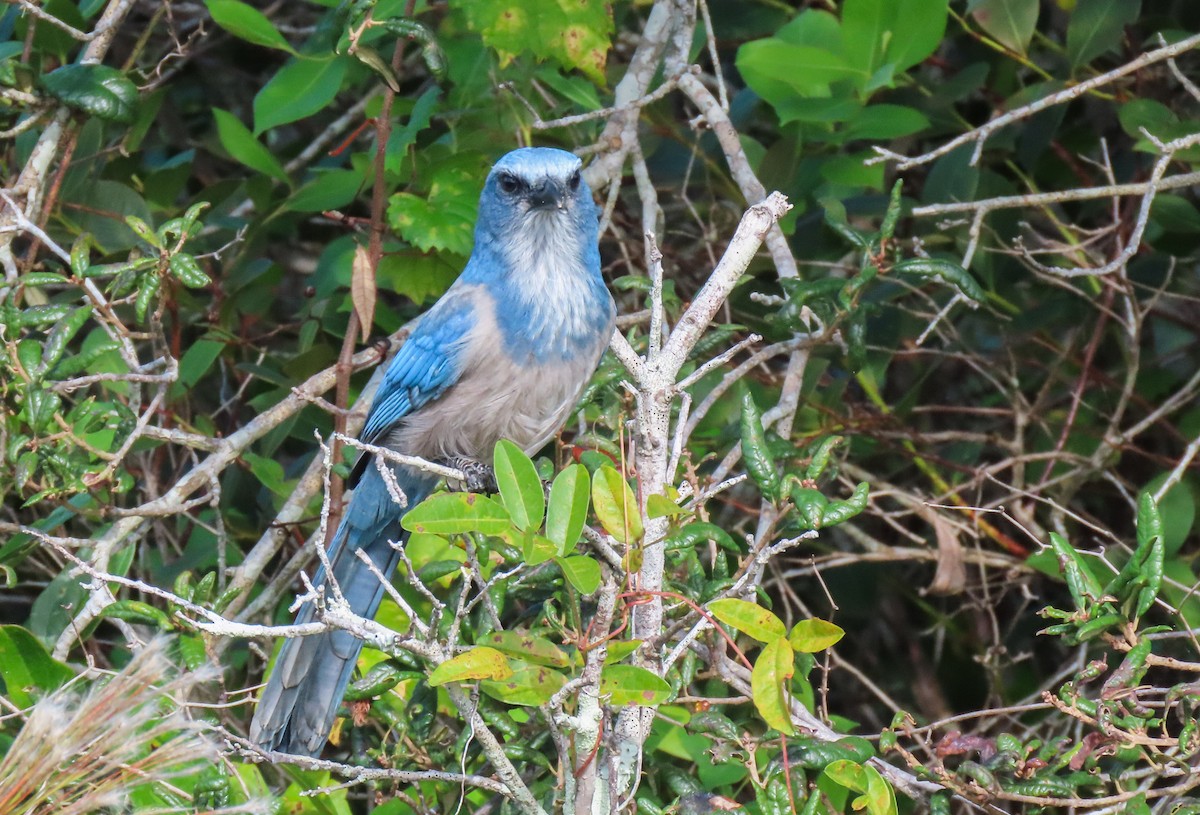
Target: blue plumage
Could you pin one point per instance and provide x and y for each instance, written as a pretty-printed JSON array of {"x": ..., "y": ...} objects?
[{"x": 504, "y": 353}]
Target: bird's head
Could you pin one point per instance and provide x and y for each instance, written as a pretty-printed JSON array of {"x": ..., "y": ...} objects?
[{"x": 536, "y": 185}]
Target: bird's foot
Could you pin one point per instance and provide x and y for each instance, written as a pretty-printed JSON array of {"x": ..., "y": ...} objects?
[{"x": 479, "y": 477}]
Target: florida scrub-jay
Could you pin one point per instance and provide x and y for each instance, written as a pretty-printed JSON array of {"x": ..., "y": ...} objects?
[{"x": 504, "y": 353}]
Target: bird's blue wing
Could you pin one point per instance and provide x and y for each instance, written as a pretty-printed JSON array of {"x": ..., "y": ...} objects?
[{"x": 424, "y": 367}]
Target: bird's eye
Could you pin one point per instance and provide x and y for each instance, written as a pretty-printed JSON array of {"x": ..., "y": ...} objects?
[
  {"x": 574, "y": 182},
  {"x": 508, "y": 183}
]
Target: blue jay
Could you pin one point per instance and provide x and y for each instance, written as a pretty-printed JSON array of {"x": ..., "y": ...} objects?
[{"x": 504, "y": 353}]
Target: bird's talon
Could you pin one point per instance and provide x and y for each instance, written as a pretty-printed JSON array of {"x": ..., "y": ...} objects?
[{"x": 478, "y": 477}]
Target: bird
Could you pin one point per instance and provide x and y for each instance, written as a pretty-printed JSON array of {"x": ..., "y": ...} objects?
[{"x": 504, "y": 353}]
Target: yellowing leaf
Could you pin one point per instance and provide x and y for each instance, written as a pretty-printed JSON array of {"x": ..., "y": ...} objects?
[
  {"x": 478, "y": 663},
  {"x": 616, "y": 506},
  {"x": 537, "y": 650},
  {"x": 752, "y": 620},
  {"x": 768, "y": 684},
  {"x": 528, "y": 687},
  {"x": 811, "y": 636}
]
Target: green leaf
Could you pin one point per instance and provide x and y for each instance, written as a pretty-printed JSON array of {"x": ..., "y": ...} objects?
[
  {"x": 404, "y": 137},
  {"x": 581, "y": 571},
  {"x": 751, "y": 619},
  {"x": 240, "y": 143},
  {"x": 1081, "y": 581},
  {"x": 1009, "y": 22},
  {"x": 188, "y": 271},
  {"x": 527, "y": 687},
  {"x": 269, "y": 472},
  {"x": 520, "y": 487},
  {"x": 866, "y": 28},
  {"x": 877, "y": 796},
  {"x": 478, "y": 663},
  {"x": 575, "y": 33},
  {"x": 197, "y": 359},
  {"x": 660, "y": 506},
  {"x": 616, "y": 506},
  {"x": 811, "y": 636},
  {"x": 135, "y": 611},
  {"x": 97, "y": 90},
  {"x": 1097, "y": 26},
  {"x": 26, "y": 666},
  {"x": 299, "y": 89},
  {"x": 247, "y": 23},
  {"x": 454, "y": 513},
  {"x": 330, "y": 189},
  {"x": 619, "y": 649},
  {"x": 631, "y": 685},
  {"x": 916, "y": 31},
  {"x": 537, "y": 550},
  {"x": 521, "y": 645},
  {"x": 944, "y": 270},
  {"x": 809, "y": 69},
  {"x": 445, "y": 218},
  {"x": 1177, "y": 509},
  {"x": 568, "y": 509},
  {"x": 768, "y": 684},
  {"x": 756, "y": 453},
  {"x": 689, "y": 536},
  {"x": 885, "y": 122}
]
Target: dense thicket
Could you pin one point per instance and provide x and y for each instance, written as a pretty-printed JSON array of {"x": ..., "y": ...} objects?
[{"x": 937, "y": 487}]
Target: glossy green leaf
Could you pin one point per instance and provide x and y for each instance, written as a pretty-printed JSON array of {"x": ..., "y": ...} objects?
[
  {"x": 581, "y": 571},
  {"x": 477, "y": 663},
  {"x": 768, "y": 685},
  {"x": 299, "y": 89},
  {"x": 97, "y": 90},
  {"x": 697, "y": 532},
  {"x": 247, "y": 23},
  {"x": 943, "y": 270},
  {"x": 751, "y": 619},
  {"x": 1097, "y": 26},
  {"x": 453, "y": 513},
  {"x": 520, "y": 487},
  {"x": 240, "y": 143},
  {"x": 631, "y": 685},
  {"x": 1081, "y": 581},
  {"x": 135, "y": 611},
  {"x": 568, "y": 508},
  {"x": 756, "y": 453},
  {"x": 813, "y": 635},
  {"x": 188, "y": 271},
  {"x": 616, "y": 506}
]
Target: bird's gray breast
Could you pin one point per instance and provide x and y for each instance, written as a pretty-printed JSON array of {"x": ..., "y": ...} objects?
[{"x": 498, "y": 396}]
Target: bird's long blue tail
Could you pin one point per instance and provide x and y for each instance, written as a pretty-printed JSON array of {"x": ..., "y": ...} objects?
[{"x": 298, "y": 705}]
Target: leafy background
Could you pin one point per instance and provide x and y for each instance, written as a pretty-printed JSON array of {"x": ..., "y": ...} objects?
[{"x": 226, "y": 226}]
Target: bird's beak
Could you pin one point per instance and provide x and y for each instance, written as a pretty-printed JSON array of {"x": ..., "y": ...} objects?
[{"x": 548, "y": 194}]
